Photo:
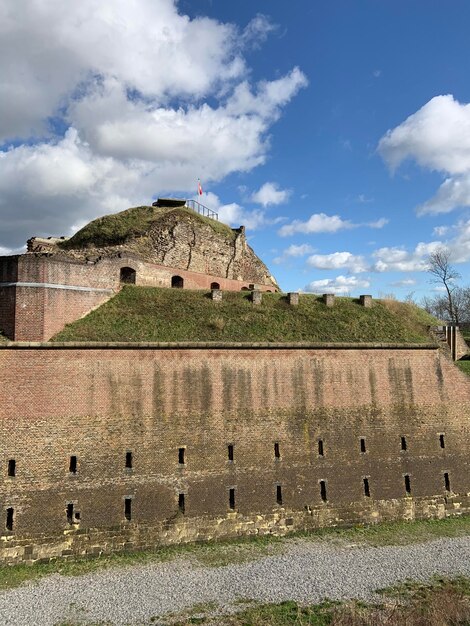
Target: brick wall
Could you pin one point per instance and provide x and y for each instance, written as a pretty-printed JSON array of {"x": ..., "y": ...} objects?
[
  {"x": 36, "y": 313},
  {"x": 410, "y": 407}
]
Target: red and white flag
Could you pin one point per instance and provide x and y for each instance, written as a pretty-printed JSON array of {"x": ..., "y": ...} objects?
[{"x": 199, "y": 187}]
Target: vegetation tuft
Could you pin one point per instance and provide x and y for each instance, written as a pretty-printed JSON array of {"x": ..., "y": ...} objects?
[
  {"x": 153, "y": 314},
  {"x": 118, "y": 228}
]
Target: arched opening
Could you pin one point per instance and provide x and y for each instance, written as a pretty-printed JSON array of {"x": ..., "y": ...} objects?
[
  {"x": 245, "y": 289},
  {"x": 215, "y": 286},
  {"x": 127, "y": 276},
  {"x": 268, "y": 291},
  {"x": 177, "y": 282}
]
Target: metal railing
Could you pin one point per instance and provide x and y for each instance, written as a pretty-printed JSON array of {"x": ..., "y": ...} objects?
[{"x": 201, "y": 209}]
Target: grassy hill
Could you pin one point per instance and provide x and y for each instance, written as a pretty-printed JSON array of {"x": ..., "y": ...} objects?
[
  {"x": 117, "y": 228},
  {"x": 151, "y": 314}
]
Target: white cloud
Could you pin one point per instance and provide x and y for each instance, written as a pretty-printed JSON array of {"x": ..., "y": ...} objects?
[
  {"x": 338, "y": 260},
  {"x": 269, "y": 193},
  {"x": 440, "y": 231},
  {"x": 317, "y": 223},
  {"x": 293, "y": 250},
  {"x": 322, "y": 223},
  {"x": 437, "y": 137},
  {"x": 406, "y": 282},
  {"x": 338, "y": 285},
  {"x": 400, "y": 260},
  {"x": 380, "y": 223},
  {"x": 129, "y": 82}
]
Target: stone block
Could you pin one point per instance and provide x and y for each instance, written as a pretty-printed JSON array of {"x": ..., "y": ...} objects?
[
  {"x": 293, "y": 298},
  {"x": 365, "y": 301},
  {"x": 256, "y": 297},
  {"x": 216, "y": 295},
  {"x": 329, "y": 299}
]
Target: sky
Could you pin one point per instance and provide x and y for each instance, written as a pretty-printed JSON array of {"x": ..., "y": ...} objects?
[{"x": 337, "y": 132}]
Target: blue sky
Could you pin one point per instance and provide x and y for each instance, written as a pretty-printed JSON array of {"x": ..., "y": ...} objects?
[{"x": 338, "y": 132}]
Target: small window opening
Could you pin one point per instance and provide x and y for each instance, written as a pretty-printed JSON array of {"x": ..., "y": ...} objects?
[
  {"x": 128, "y": 509},
  {"x": 320, "y": 447},
  {"x": 230, "y": 452},
  {"x": 447, "y": 481},
  {"x": 9, "y": 524},
  {"x": 277, "y": 452},
  {"x": 323, "y": 490},
  {"x": 403, "y": 443},
  {"x": 127, "y": 276},
  {"x": 177, "y": 282},
  {"x": 70, "y": 513},
  {"x": 407, "y": 484},
  {"x": 363, "y": 445},
  {"x": 77, "y": 516},
  {"x": 129, "y": 460},
  {"x": 215, "y": 286},
  {"x": 12, "y": 467},
  {"x": 181, "y": 503},
  {"x": 181, "y": 456},
  {"x": 442, "y": 443},
  {"x": 279, "y": 494},
  {"x": 366, "y": 487},
  {"x": 231, "y": 499},
  {"x": 73, "y": 465}
]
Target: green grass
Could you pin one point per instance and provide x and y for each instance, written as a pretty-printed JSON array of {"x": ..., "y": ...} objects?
[
  {"x": 464, "y": 365},
  {"x": 242, "y": 550},
  {"x": 152, "y": 314},
  {"x": 119, "y": 227}
]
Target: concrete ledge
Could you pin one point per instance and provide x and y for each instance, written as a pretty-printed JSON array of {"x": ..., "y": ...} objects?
[{"x": 209, "y": 345}]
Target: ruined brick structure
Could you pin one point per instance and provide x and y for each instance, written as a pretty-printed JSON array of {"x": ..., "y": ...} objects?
[
  {"x": 58, "y": 280},
  {"x": 115, "y": 447}
]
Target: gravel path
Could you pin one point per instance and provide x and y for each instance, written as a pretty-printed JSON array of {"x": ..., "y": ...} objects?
[{"x": 307, "y": 571}]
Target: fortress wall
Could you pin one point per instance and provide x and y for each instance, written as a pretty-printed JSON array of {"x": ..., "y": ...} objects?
[
  {"x": 42, "y": 294},
  {"x": 98, "y": 403}
]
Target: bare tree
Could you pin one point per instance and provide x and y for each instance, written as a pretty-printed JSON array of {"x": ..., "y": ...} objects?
[{"x": 443, "y": 272}]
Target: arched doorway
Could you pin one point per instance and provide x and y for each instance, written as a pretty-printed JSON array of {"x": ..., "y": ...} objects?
[
  {"x": 127, "y": 276},
  {"x": 215, "y": 286},
  {"x": 177, "y": 282},
  {"x": 245, "y": 289}
]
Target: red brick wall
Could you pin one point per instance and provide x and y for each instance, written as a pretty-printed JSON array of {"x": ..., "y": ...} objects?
[
  {"x": 99, "y": 403},
  {"x": 38, "y": 313}
]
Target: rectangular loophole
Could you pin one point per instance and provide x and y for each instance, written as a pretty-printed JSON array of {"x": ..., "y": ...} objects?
[
  {"x": 407, "y": 483},
  {"x": 231, "y": 498},
  {"x": 230, "y": 452},
  {"x": 73, "y": 465},
  {"x": 181, "y": 456},
  {"x": 363, "y": 445},
  {"x": 442, "y": 442},
  {"x": 181, "y": 503},
  {"x": 12, "y": 467},
  {"x": 320, "y": 448},
  {"x": 365, "y": 482},
  {"x": 279, "y": 494},
  {"x": 10, "y": 514},
  {"x": 277, "y": 451},
  {"x": 128, "y": 509},
  {"x": 447, "y": 481},
  {"x": 323, "y": 490},
  {"x": 403, "y": 443},
  {"x": 129, "y": 460},
  {"x": 70, "y": 513}
]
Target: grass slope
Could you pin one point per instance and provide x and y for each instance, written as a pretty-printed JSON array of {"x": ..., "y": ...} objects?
[
  {"x": 119, "y": 227},
  {"x": 152, "y": 314}
]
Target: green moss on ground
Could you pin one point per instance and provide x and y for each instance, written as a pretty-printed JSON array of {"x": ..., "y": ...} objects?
[
  {"x": 152, "y": 314},
  {"x": 118, "y": 228}
]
